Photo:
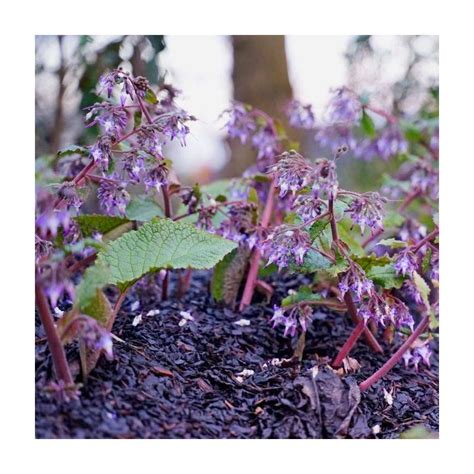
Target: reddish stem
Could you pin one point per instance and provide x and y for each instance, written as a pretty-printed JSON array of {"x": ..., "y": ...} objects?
[
  {"x": 349, "y": 344},
  {"x": 61, "y": 366},
  {"x": 255, "y": 258},
  {"x": 425, "y": 240},
  {"x": 367, "y": 383}
]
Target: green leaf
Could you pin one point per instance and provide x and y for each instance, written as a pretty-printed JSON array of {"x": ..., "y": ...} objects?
[
  {"x": 347, "y": 236},
  {"x": 150, "y": 96},
  {"x": 73, "y": 150},
  {"x": 142, "y": 208},
  {"x": 303, "y": 294},
  {"x": 393, "y": 243},
  {"x": 340, "y": 266},
  {"x": 90, "y": 223},
  {"x": 393, "y": 219},
  {"x": 312, "y": 262},
  {"x": 317, "y": 229},
  {"x": 163, "y": 244},
  {"x": 368, "y": 261},
  {"x": 367, "y": 124},
  {"x": 422, "y": 288},
  {"x": 385, "y": 276},
  {"x": 228, "y": 275},
  {"x": 157, "y": 244},
  {"x": 267, "y": 270},
  {"x": 137, "y": 119}
]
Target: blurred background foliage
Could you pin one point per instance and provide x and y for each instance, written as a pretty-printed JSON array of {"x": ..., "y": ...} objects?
[{"x": 397, "y": 73}]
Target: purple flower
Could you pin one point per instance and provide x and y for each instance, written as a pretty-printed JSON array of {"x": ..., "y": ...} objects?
[
  {"x": 355, "y": 280},
  {"x": 149, "y": 141},
  {"x": 286, "y": 245},
  {"x": 434, "y": 274},
  {"x": 172, "y": 125},
  {"x": 111, "y": 118},
  {"x": 266, "y": 143},
  {"x": 344, "y": 107},
  {"x": 367, "y": 210},
  {"x": 412, "y": 292},
  {"x": 299, "y": 315},
  {"x": 93, "y": 334},
  {"x": 101, "y": 152},
  {"x": 324, "y": 179},
  {"x": 68, "y": 193},
  {"x": 391, "y": 143},
  {"x": 382, "y": 309},
  {"x": 299, "y": 115},
  {"x": 241, "y": 123},
  {"x": 42, "y": 248},
  {"x": 405, "y": 263},
  {"x": 425, "y": 179},
  {"x": 292, "y": 172},
  {"x": 421, "y": 352},
  {"x": 49, "y": 222},
  {"x": 335, "y": 136},
  {"x": 112, "y": 195},
  {"x": 307, "y": 207},
  {"x": 134, "y": 165},
  {"x": 56, "y": 282},
  {"x": 156, "y": 177},
  {"x": 240, "y": 227}
]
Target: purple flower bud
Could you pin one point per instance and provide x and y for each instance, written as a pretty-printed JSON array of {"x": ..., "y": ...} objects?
[
  {"x": 101, "y": 152},
  {"x": 156, "y": 177},
  {"x": 391, "y": 143},
  {"x": 292, "y": 172}
]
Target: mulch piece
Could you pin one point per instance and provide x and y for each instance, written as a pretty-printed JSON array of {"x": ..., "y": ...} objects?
[{"x": 196, "y": 380}]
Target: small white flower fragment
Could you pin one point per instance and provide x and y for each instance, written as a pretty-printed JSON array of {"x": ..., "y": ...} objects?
[
  {"x": 276, "y": 362},
  {"x": 376, "y": 429},
  {"x": 242, "y": 322},
  {"x": 135, "y": 305},
  {"x": 291, "y": 292},
  {"x": 388, "y": 397},
  {"x": 57, "y": 312},
  {"x": 153, "y": 312},
  {"x": 137, "y": 320},
  {"x": 185, "y": 317},
  {"x": 314, "y": 371},
  {"x": 246, "y": 373},
  {"x": 239, "y": 379}
]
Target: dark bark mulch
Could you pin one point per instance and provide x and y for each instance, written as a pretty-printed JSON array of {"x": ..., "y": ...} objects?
[{"x": 172, "y": 381}]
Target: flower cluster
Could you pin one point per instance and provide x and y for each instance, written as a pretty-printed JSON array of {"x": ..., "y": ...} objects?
[
  {"x": 367, "y": 210},
  {"x": 406, "y": 263},
  {"x": 298, "y": 315},
  {"x": 240, "y": 225},
  {"x": 292, "y": 172},
  {"x": 286, "y": 245},
  {"x": 252, "y": 125},
  {"x": 112, "y": 195},
  {"x": 308, "y": 208},
  {"x": 355, "y": 280},
  {"x": 383, "y": 309},
  {"x": 300, "y": 116},
  {"x": 420, "y": 353}
]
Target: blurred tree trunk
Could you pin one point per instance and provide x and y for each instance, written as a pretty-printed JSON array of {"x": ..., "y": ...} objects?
[{"x": 260, "y": 77}]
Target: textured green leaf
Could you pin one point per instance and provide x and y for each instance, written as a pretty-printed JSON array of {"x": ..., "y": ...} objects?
[
  {"x": 90, "y": 223},
  {"x": 347, "y": 236},
  {"x": 422, "y": 288},
  {"x": 312, "y": 262},
  {"x": 368, "y": 261},
  {"x": 340, "y": 266},
  {"x": 228, "y": 275},
  {"x": 317, "y": 228},
  {"x": 143, "y": 208},
  {"x": 150, "y": 96},
  {"x": 303, "y": 294},
  {"x": 157, "y": 244},
  {"x": 73, "y": 150},
  {"x": 385, "y": 276},
  {"x": 393, "y": 243},
  {"x": 163, "y": 244}
]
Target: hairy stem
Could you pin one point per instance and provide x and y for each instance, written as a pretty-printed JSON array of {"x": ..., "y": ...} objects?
[
  {"x": 116, "y": 309},
  {"x": 255, "y": 258},
  {"x": 61, "y": 366},
  {"x": 367, "y": 383},
  {"x": 425, "y": 240}
]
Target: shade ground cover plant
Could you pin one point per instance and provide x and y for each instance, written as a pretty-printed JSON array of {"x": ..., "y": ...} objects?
[{"x": 373, "y": 255}]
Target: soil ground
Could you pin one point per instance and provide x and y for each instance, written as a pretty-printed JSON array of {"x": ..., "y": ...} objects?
[{"x": 172, "y": 381}]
